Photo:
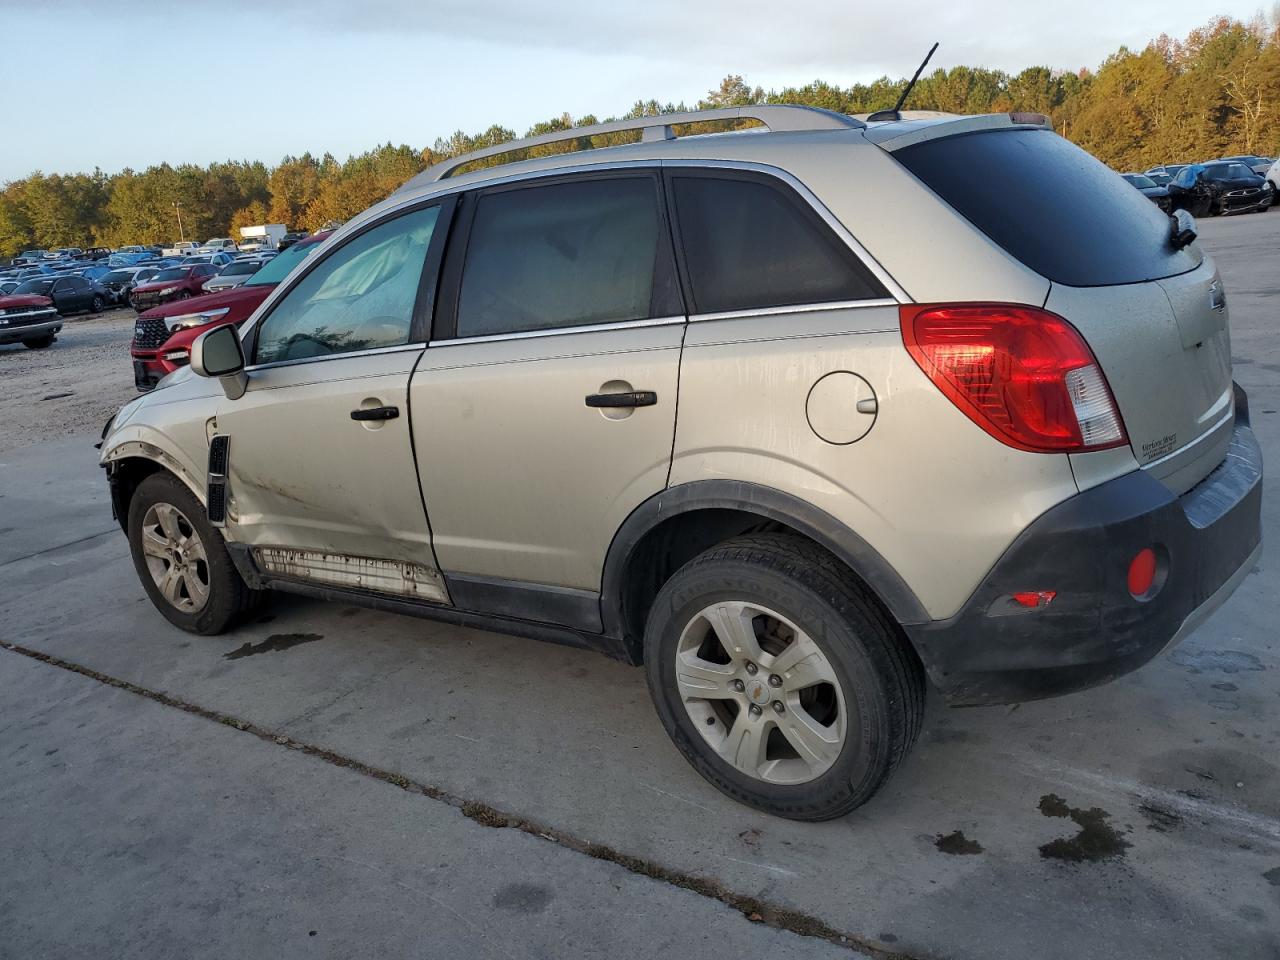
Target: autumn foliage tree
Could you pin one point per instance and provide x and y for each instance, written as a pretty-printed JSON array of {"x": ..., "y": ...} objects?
[{"x": 1214, "y": 93}]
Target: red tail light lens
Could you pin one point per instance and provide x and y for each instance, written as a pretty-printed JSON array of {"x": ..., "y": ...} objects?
[{"x": 1024, "y": 375}]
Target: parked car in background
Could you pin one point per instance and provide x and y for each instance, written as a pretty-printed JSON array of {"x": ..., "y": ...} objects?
[
  {"x": 7, "y": 285},
  {"x": 64, "y": 253},
  {"x": 1159, "y": 179},
  {"x": 1273, "y": 178},
  {"x": 1150, "y": 189},
  {"x": 68, "y": 294},
  {"x": 1169, "y": 170},
  {"x": 29, "y": 257},
  {"x": 1220, "y": 187},
  {"x": 218, "y": 243},
  {"x": 162, "y": 336},
  {"x": 95, "y": 253},
  {"x": 120, "y": 283},
  {"x": 219, "y": 258},
  {"x": 262, "y": 236},
  {"x": 289, "y": 239},
  {"x": 180, "y": 249},
  {"x": 94, "y": 271},
  {"x": 172, "y": 283},
  {"x": 28, "y": 317},
  {"x": 126, "y": 258},
  {"x": 232, "y": 275},
  {"x": 1259, "y": 165}
]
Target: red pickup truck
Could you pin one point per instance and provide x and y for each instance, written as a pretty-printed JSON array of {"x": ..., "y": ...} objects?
[{"x": 162, "y": 336}]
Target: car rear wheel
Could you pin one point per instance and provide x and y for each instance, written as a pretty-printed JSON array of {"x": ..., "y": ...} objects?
[
  {"x": 98, "y": 304},
  {"x": 39, "y": 343},
  {"x": 780, "y": 680},
  {"x": 182, "y": 560}
]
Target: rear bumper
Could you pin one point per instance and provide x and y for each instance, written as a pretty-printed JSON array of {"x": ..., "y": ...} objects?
[
  {"x": 1094, "y": 630},
  {"x": 30, "y": 331}
]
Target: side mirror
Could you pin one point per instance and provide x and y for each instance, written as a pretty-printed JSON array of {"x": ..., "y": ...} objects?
[
  {"x": 1182, "y": 229},
  {"x": 218, "y": 354}
]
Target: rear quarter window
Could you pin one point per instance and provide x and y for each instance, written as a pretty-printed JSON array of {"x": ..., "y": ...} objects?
[
  {"x": 751, "y": 244},
  {"x": 1050, "y": 205}
]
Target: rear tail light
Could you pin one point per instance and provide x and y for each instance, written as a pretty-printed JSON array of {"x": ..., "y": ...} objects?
[{"x": 1022, "y": 374}]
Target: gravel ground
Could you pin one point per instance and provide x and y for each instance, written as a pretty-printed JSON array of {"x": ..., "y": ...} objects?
[{"x": 70, "y": 388}]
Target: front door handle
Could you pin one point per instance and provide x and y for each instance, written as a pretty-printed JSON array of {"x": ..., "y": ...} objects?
[
  {"x": 376, "y": 413},
  {"x": 633, "y": 398}
]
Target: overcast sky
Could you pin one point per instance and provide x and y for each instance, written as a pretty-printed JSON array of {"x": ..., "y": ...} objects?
[{"x": 132, "y": 83}]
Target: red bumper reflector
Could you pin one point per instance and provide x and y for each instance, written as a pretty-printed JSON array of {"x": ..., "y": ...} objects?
[
  {"x": 1142, "y": 572},
  {"x": 1035, "y": 598}
]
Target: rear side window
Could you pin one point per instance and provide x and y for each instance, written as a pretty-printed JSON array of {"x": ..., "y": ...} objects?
[
  {"x": 1050, "y": 205},
  {"x": 563, "y": 255},
  {"x": 750, "y": 244}
]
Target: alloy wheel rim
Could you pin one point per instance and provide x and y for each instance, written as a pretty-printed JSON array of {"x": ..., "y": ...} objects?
[
  {"x": 175, "y": 557},
  {"x": 761, "y": 692}
]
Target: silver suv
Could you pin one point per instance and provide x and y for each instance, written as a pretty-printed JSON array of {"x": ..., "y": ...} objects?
[{"x": 794, "y": 416}]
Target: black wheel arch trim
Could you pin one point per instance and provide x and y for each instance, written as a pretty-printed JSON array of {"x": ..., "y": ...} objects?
[{"x": 770, "y": 504}]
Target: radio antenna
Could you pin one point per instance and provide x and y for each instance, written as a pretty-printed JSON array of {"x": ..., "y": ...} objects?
[{"x": 895, "y": 113}]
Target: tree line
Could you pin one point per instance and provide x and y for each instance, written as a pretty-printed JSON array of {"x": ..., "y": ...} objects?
[{"x": 1214, "y": 93}]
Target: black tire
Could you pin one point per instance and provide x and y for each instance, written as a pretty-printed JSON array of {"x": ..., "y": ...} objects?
[
  {"x": 230, "y": 598},
  {"x": 881, "y": 678},
  {"x": 183, "y": 295},
  {"x": 97, "y": 305},
  {"x": 39, "y": 343}
]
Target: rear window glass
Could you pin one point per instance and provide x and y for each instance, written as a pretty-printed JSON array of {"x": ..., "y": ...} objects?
[
  {"x": 1048, "y": 203},
  {"x": 749, "y": 245}
]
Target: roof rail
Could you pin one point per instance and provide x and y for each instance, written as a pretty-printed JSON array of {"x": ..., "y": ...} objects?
[{"x": 777, "y": 118}]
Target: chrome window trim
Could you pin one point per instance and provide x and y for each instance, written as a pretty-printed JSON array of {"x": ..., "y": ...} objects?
[
  {"x": 795, "y": 308},
  {"x": 397, "y": 348},
  {"x": 785, "y": 176},
  {"x": 560, "y": 331}
]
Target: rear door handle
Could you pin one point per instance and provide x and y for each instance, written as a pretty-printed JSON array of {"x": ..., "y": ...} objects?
[
  {"x": 376, "y": 413},
  {"x": 635, "y": 398}
]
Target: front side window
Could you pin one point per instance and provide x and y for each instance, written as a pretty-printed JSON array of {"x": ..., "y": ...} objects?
[
  {"x": 360, "y": 297},
  {"x": 751, "y": 245},
  {"x": 563, "y": 255}
]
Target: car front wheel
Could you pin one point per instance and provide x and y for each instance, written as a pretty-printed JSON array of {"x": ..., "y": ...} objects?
[
  {"x": 39, "y": 343},
  {"x": 182, "y": 560},
  {"x": 780, "y": 680}
]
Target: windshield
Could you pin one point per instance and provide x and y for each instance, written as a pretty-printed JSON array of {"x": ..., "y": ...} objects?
[
  {"x": 279, "y": 268},
  {"x": 173, "y": 273},
  {"x": 1227, "y": 171},
  {"x": 40, "y": 287}
]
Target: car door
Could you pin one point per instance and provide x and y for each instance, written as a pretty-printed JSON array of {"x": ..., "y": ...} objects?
[
  {"x": 64, "y": 296},
  {"x": 322, "y": 482},
  {"x": 544, "y": 408}
]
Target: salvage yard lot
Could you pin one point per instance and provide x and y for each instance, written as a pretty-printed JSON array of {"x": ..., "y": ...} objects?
[{"x": 327, "y": 780}]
